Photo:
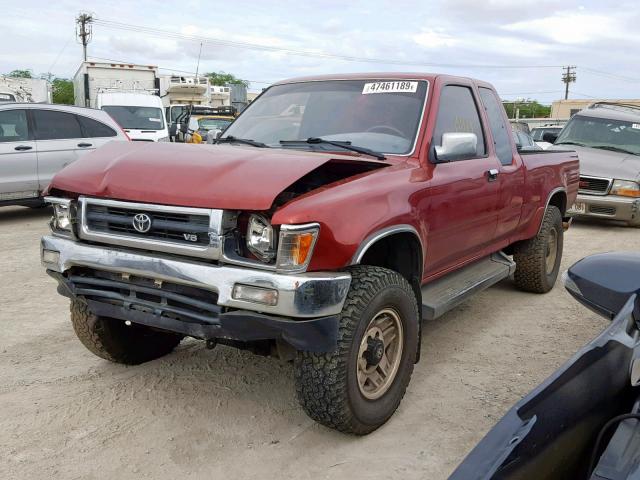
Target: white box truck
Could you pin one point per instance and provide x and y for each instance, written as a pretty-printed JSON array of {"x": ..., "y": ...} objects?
[
  {"x": 24, "y": 90},
  {"x": 128, "y": 92}
]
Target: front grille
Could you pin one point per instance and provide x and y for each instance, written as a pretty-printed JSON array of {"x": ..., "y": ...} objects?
[
  {"x": 594, "y": 185},
  {"x": 174, "y": 227},
  {"x": 600, "y": 210},
  {"x": 170, "y": 300},
  {"x": 179, "y": 230}
]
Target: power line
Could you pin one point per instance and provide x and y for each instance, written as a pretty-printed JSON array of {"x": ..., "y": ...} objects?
[
  {"x": 602, "y": 73},
  {"x": 173, "y": 69},
  {"x": 290, "y": 51}
]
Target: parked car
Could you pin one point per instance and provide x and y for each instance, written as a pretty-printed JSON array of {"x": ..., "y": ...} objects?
[
  {"x": 37, "y": 140},
  {"x": 607, "y": 138},
  {"x": 139, "y": 114},
  {"x": 584, "y": 420},
  {"x": 538, "y": 132},
  {"x": 332, "y": 215},
  {"x": 524, "y": 142}
]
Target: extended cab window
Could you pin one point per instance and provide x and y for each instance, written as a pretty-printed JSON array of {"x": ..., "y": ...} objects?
[
  {"x": 93, "y": 129},
  {"x": 53, "y": 125},
  {"x": 499, "y": 130},
  {"x": 13, "y": 126},
  {"x": 458, "y": 114}
]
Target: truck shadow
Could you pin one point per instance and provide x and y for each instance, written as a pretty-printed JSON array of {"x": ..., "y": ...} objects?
[{"x": 11, "y": 214}]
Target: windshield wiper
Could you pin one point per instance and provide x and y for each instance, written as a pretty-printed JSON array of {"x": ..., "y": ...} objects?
[
  {"x": 246, "y": 141},
  {"x": 341, "y": 144},
  {"x": 614, "y": 149},
  {"x": 569, "y": 142}
]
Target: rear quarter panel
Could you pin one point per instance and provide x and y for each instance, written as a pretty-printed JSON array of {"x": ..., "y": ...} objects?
[{"x": 546, "y": 173}]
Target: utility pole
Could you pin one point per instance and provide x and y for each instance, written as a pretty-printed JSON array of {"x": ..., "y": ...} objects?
[
  {"x": 569, "y": 76},
  {"x": 84, "y": 31}
]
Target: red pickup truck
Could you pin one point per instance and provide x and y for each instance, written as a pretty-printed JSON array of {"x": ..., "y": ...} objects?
[{"x": 331, "y": 217}]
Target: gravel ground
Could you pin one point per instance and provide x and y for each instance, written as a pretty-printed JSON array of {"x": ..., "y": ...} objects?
[{"x": 229, "y": 414}]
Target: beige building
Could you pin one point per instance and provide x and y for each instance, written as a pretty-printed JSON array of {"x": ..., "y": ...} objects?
[{"x": 564, "y": 109}]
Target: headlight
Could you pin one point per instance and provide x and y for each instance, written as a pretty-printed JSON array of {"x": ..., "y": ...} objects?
[
  {"x": 63, "y": 215},
  {"x": 261, "y": 240},
  {"x": 296, "y": 246},
  {"x": 625, "y": 188}
]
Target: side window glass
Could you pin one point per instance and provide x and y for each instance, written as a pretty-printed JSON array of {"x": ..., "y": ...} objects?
[
  {"x": 53, "y": 125},
  {"x": 458, "y": 113},
  {"x": 93, "y": 129},
  {"x": 13, "y": 126},
  {"x": 499, "y": 130}
]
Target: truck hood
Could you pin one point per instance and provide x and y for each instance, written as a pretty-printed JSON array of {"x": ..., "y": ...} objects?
[
  {"x": 604, "y": 163},
  {"x": 208, "y": 176}
]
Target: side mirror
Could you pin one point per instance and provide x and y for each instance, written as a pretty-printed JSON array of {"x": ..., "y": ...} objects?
[
  {"x": 550, "y": 137},
  {"x": 604, "y": 282},
  {"x": 456, "y": 146}
]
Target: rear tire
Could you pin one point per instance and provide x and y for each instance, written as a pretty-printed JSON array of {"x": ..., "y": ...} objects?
[
  {"x": 538, "y": 259},
  {"x": 111, "y": 339},
  {"x": 357, "y": 387}
]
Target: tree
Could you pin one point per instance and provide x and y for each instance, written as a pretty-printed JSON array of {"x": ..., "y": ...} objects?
[
  {"x": 62, "y": 90},
  {"x": 223, "y": 78},
  {"x": 20, "y": 74},
  {"x": 528, "y": 109}
]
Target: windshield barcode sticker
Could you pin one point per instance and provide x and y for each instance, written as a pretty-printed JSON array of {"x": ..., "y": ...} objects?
[{"x": 390, "y": 87}]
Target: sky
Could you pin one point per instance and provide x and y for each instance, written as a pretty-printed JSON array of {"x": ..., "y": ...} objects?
[{"x": 491, "y": 40}]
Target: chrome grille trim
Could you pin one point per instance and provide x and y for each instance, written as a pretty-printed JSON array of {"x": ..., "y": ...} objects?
[
  {"x": 212, "y": 250},
  {"x": 596, "y": 185}
]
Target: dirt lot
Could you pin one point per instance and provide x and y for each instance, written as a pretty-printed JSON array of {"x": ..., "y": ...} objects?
[{"x": 228, "y": 414}]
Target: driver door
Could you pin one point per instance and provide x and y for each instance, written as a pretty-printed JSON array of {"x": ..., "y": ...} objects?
[{"x": 463, "y": 211}]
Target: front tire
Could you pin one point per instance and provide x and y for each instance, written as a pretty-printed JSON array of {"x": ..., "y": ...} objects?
[
  {"x": 357, "y": 387},
  {"x": 111, "y": 339},
  {"x": 538, "y": 259}
]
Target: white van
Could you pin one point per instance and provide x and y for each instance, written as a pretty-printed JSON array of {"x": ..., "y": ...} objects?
[{"x": 139, "y": 114}]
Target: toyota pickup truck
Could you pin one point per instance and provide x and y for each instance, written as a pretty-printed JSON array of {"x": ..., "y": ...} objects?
[{"x": 327, "y": 221}]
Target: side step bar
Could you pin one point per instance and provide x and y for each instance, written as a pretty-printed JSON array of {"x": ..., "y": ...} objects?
[{"x": 440, "y": 296}]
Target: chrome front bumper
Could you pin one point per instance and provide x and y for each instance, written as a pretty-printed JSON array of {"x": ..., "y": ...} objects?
[
  {"x": 305, "y": 295},
  {"x": 610, "y": 207}
]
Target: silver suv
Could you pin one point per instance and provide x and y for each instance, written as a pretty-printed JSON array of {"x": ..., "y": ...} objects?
[
  {"x": 37, "y": 140},
  {"x": 607, "y": 139}
]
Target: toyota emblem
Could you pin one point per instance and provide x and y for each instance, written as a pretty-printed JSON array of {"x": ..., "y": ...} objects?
[{"x": 141, "y": 222}]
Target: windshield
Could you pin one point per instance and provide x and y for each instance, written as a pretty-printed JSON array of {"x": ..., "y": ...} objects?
[
  {"x": 138, "y": 118},
  {"x": 7, "y": 97},
  {"x": 602, "y": 133},
  {"x": 213, "y": 123},
  {"x": 176, "y": 112},
  {"x": 378, "y": 115},
  {"x": 538, "y": 133}
]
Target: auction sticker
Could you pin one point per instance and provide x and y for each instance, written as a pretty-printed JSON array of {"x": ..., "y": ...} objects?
[{"x": 390, "y": 87}]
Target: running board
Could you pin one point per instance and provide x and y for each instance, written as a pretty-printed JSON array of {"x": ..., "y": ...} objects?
[{"x": 440, "y": 296}]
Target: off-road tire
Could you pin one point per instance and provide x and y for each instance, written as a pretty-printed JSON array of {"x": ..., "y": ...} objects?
[
  {"x": 532, "y": 273},
  {"x": 327, "y": 385},
  {"x": 111, "y": 339}
]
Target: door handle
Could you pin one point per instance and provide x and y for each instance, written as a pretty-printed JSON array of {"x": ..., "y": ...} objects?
[
  {"x": 23, "y": 147},
  {"x": 85, "y": 145},
  {"x": 492, "y": 175}
]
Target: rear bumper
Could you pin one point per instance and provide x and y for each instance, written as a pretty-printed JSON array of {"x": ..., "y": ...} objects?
[
  {"x": 305, "y": 315},
  {"x": 609, "y": 207}
]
